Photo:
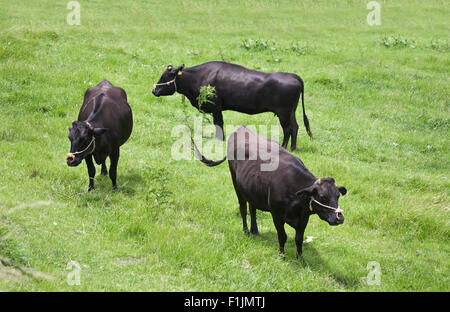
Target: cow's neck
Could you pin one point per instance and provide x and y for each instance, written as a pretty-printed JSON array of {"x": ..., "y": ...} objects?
[
  {"x": 304, "y": 178},
  {"x": 186, "y": 86}
]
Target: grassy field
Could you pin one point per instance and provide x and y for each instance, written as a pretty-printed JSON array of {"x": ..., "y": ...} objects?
[{"x": 377, "y": 98}]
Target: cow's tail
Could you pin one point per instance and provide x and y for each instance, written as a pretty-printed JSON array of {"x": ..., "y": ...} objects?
[
  {"x": 305, "y": 118},
  {"x": 203, "y": 159}
]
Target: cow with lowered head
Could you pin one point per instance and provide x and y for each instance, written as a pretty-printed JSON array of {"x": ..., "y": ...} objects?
[
  {"x": 104, "y": 123},
  {"x": 269, "y": 178},
  {"x": 239, "y": 89}
]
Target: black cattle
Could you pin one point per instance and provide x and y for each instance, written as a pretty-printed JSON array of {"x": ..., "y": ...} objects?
[
  {"x": 239, "y": 89},
  {"x": 289, "y": 191},
  {"x": 104, "y": 123}
]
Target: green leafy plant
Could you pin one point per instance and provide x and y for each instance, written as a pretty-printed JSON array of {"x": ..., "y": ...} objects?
[
  {"x": 397, "y": 42},
  {"x": 275, "y": 50},
  {"x": 299, "y": 49},
  {"x": 207, "y": 93},
  {"x": 258, "y": 44},
  {"x": 439, "y": 45}
]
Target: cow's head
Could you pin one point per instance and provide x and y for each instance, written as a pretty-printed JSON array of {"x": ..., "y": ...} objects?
[
  {"x": 167, "y": 84},
  {"x": 82, "y": 141},
  {"x": 322, "y": 197}
]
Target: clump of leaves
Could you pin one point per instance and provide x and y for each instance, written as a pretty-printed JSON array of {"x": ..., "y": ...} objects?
[
  {"x": 330, "y": 83},
  {"x": 438, "y": 123},
  {"x": 298, "y": 49},
  {"x": 397, "y": 42},
  {"x": 258, "y": 45},
  {"x": 207, "y": 93},
  {"x": 274, "y": 59},
  {"x": 439, "y": 45}
]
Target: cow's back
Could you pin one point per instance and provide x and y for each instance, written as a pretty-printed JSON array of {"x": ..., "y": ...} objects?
[
  {"x": 258, "y": 185},
  {"x": 239, "y": 86},
  {"x": 114, "y": 114},
  {"x": 244, "y": 160}
]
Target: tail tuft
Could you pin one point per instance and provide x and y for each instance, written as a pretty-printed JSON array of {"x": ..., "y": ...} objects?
[{"x": 306, "y": 123}]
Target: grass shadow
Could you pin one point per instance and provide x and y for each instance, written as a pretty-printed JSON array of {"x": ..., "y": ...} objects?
[
  {"x": 311, "y": 259},
  {"x": 128, "y": 182}
]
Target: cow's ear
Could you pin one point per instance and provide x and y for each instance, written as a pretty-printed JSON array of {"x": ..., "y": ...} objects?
[
  {"x": 307, "y": 193},
  {"x": 342, "y": 190},
  {"x": 179, "y": 69},
  {"x": 99, "y": 131}
]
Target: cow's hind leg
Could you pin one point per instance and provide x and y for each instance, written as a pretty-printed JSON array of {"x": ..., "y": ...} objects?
[
  {"x": 286, "y": 125},
  {"x": 242, "y": 203},
  {"x": 253, "y": 224},
  {"x": 104, "y": 169},
  {"x": 294, "y": 131},
  {"x": 113, "y": 167}
]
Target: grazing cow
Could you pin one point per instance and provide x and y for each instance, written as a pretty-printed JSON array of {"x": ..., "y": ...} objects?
[
  {"x": 290, "y": 192},
  {"x": 104, "y": 123},
  {"x": 239, "y": 89}
]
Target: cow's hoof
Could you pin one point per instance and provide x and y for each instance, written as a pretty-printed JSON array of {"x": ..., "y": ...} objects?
[
  {"x": 254, "y": 232},
  {"x": 91, "y": 188},
  {"x": 104, "y": 173},
  {"x": 301, "y": 260},
  {"x": 282, "y": 253},
  {"x": 115, "y": 188}
]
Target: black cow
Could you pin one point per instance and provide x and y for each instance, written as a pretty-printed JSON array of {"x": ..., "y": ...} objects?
[
  {"x": 104, "y": 123},
  {"x": 288, "y": 190},
  {"x": 239, "y": 89}
]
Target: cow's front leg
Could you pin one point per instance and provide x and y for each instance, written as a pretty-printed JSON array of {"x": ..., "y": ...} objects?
[
  {"x": 91, "y": 171},
  {"x": 243, "y": 210},
  {"x": 253, "y": 224},
  {"x": 299, "y": 234},
  {"x": 282, "y": 237},
  {"x": 285, "y": 124},
  {"x": 218, "y": 122},
  {"x": 104, "y": 169}
]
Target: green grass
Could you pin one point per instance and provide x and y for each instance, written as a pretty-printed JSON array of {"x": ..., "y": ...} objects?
[{"x": 379, "y": 114}]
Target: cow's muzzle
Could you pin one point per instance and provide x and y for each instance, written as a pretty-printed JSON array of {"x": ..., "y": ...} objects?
[
  {"x": 72, "y": 160},
  {"x": 337, "y": 220}
]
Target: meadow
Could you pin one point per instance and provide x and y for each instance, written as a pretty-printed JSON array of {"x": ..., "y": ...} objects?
[{"x": 377, "y": 98}]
